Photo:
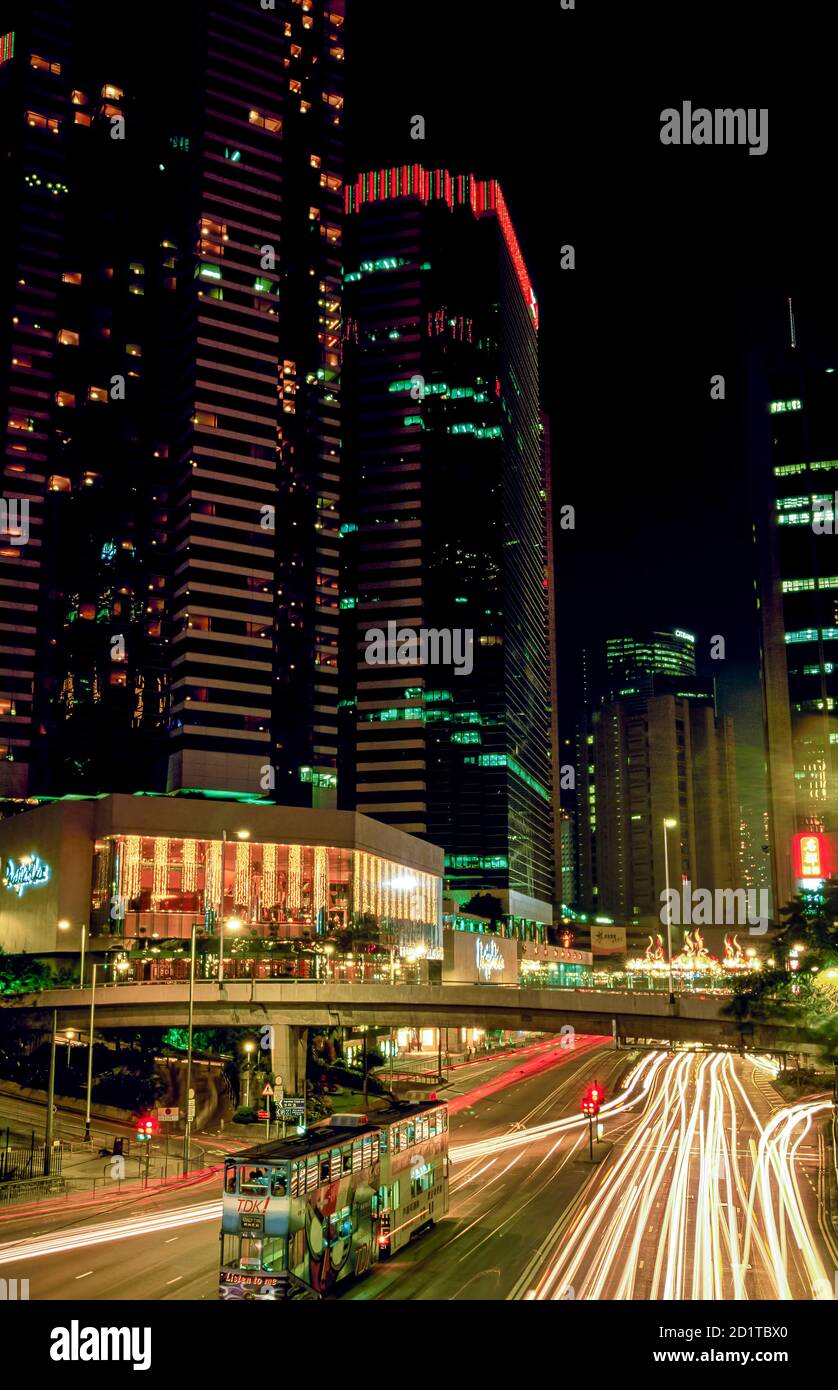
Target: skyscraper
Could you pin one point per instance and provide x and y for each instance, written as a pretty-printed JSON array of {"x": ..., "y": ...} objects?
[
  {"x": 793, "y": 437},
  {"x": 173, "y": 392},
  {"x": 653, "y": 748},
  {"x": 446, "y": 532}
]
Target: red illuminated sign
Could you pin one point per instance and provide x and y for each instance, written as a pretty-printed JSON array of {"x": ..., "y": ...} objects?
[{"x": 812, "y": 855}]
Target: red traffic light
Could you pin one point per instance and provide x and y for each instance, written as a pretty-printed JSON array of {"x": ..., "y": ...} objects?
[
  {"x": 146, "y": 1128},
  {"x": 592, "y": 1099}
]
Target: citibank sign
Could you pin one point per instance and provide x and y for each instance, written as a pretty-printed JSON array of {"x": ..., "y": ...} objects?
[
  {"x": 489, "y": 957},
  {"x": 21, "y": 874}
]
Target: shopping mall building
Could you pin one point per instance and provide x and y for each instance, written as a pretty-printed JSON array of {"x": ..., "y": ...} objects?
[{"x": 134, "y": 874}]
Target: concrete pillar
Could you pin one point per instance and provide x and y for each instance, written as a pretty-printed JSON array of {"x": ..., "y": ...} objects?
[{"x": 290, "y": 1044}]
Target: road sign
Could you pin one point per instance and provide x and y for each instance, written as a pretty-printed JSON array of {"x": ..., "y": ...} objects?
[
  {"x": 292, "y": 1108},
  {"x": 190, "y": 1106},
  {"x": 262, "y": 1114},
  {"x": 267, "y": 1089},
  {"x": 168, "y": 1112}
]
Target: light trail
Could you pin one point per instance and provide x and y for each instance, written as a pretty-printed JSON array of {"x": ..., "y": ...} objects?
[{"x": 701, "y": 1190}]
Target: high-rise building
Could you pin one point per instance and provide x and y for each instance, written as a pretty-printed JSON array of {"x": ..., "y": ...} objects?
[
  {"x": 170, "y": 381},
  {"x": 652, "y": 747},
  {"x": 794, "y": 444},
  {"x": 446, "y": 533},
  {"x": 659, "y": 758}
]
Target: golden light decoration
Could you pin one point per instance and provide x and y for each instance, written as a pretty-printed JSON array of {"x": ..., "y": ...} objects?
[
  {"x": 159, "y": 883},
  {"x": 321, "y": 881},
  {"x": 241, "y": 891},
  {"x": 190, "y": 866},
  {"x": 132, "y": 867},
  {"x": 212, "y": 874},
  {"x": 294, "y": 880},
  {"x": 269, "y": 893}
]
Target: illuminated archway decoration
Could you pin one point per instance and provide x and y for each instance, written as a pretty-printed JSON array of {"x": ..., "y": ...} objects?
[
  {"x": 160, "y": 875},
  {"x": 190, "y": 866},
  {"x": 269, "y": 892},
  {"x": 321, "y": 887},
  {"x": 212, "y": 875},
  {"x": 241, "y": 889},
  {"x": 132, "y": 867}
]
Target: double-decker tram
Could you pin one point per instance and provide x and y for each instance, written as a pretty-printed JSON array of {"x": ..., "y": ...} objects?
[{"x": 302, "y": 1214}]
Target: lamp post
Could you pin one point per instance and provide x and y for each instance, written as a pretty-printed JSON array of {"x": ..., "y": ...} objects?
[
  {"x": 234, "y": 921},
  {"x": 90, "y": 1058},
  {"x": 248, "y": 1047},
  {"x": 668, "y": 824},
  {"x": 187, "y": 1129},
  {"x": 50, "y": 1098}
]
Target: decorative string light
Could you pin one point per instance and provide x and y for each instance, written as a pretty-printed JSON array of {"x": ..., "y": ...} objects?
[
  {"x": 190, "y": 866},
  {"x": 269, "y": 893},
  {"x": 159, "y": 883},
  {"x": 132, "y": 867},
  {"x": 212, "y": 874},
  {"x": 241, "y": 891},
  {"x": 321, "y": 887},
  {"x": 294, "y": 881}
]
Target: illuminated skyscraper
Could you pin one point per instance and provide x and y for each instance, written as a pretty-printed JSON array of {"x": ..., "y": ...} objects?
[
  {"x": 794, "y": 410},
  {"x": 170, "y": 378},
  {"x": 446, "y": 530}
]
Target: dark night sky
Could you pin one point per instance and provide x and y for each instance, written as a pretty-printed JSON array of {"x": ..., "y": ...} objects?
[{"x": 684, "y": 258}]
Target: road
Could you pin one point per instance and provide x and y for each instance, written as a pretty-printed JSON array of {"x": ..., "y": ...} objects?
[
  {"x": 706, "y": 1187},
  {"x": 713, "y": 1193}
]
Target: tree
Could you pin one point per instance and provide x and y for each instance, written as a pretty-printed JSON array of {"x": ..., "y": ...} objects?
[
  {"x": 22, "y": 974},
  {"x": 485, "y": 905}
]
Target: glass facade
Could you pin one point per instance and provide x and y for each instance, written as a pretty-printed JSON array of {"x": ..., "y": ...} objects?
[{"x": 156, "y": 887}]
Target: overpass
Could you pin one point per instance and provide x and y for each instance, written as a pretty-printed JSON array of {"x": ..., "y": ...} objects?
[{"x": 291, "y": 1007}]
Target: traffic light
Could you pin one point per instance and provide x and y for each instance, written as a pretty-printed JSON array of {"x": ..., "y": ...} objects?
[
  {"x": 592, "y": 1099},
  {"x": 145, "y": 1129}
]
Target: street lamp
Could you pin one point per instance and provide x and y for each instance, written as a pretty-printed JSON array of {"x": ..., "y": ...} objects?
[
  {"x": 64, "y": 925},
  {"x": 187, "y": 1129},
  {"x": 668, "y": 824},
  {"x": 70, "y": 1036},
  {"x": 248, "y": 1047},
  {"x": 234, "y": 921}
]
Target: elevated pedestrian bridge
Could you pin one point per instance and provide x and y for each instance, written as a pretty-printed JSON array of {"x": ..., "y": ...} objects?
[{"x": 635, "y": 1016}]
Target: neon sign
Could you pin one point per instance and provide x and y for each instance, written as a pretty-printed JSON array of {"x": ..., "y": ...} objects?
[
  {"x": 812, "y": 855},
  {"x": 489, "y": 957},
  {"x": 30, "y": 872}
]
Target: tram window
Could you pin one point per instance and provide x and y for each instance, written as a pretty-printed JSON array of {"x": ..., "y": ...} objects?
[
  {"x": 411, "y": 1134},
  {"x": 341, "y": 1224},
  {"x": 396, "y": 1139},
  {"x": 324, "y": 1169},
  {"x": 311, "y": 1172},
  {"x": 397, "y": 1194},
  {"x": 382, "y": 1142},
  {"x": 357, "y": 1156},
  {"x": 279, "y": 1184},
  {"x": 254, "y": 1180},
  {"x": 230, "y": 1178},
  {"x": 273, "y": 1253},
  {"x": 347, "y": 1160},
  {"x": 251, "y": 1253},
  {"x": 432, "y": 1125}
]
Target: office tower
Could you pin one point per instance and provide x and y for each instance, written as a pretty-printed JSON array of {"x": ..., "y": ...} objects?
[
  {"x": 567, "y": 849},
  {"x": 660, "y": 758},
  {"x": 637, "y": 662},
  {"x": 174, "y": 397},
  {"x": 793, "y": 444},
  {"x": 445, "y": 532},
  {"x": 650, "y": 740}
]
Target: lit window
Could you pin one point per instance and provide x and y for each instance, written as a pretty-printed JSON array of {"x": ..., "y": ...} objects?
[
  {"x": 65, "y": 398},
  {"x": 111, "y": 93},
  {"x": 68, "y": 337},
  {"x": 58, "y": 484},
  {"x": 133, "y": 350},
  {"x": 331, "y": 234},
  {"x": 314, "y": 214},
  {"x": 333, "y": 99},
  {"x": 330, "y": 181},
  {"x": 43, "y": 64},
  {"x": 110, "y": 110},
  {"x": 78, "y": 98},
  {"x": 205, "y": 417},
  {"x": 71, "y": 277},
  {"x": 34, "y": 118},
  {"x": 336, "y": 53},
  {"x": 97, "y": 393},
  {"x": 314, "y": 161},
  {"x": 295, "y": 85},
  {"x": 81, "y": 119},
  {"x": 119, "y": 678}
]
